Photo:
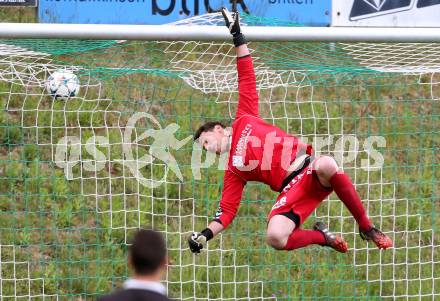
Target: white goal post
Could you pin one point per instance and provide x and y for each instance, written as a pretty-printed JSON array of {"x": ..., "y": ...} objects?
[{"x": 216, "y": 33}]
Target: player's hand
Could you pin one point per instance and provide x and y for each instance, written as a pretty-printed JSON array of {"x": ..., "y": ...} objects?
[
  {"x": 232, "y": 21},
  {"x": 196, "y": 242}
]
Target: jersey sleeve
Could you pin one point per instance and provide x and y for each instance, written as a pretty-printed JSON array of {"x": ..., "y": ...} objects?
[
  {"x": 247, "y": 88},
  {"x": 233, "y": 187}
]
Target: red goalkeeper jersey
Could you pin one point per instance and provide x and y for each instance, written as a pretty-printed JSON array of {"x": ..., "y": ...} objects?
[{"x": 259, "y": 151}]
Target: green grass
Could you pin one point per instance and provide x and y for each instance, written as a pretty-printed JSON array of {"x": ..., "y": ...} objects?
[
  {"x": 73, "y": 233},
  {"x": 18, "y": 14}
]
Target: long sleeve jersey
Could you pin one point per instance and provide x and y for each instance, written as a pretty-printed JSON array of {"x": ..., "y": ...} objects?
[{"x": 259, "y": 151}]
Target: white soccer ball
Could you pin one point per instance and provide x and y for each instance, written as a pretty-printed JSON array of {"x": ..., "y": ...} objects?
[{"x": 63, "y": 83}]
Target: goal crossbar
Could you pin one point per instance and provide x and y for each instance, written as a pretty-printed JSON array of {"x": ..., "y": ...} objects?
[{"x": 216, "y": 33}]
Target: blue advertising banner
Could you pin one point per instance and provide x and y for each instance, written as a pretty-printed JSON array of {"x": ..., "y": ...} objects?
[{"x": 306, "y": 12}]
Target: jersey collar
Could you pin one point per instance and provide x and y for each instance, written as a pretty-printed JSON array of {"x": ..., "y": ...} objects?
[{"x": 152, "y": 286}]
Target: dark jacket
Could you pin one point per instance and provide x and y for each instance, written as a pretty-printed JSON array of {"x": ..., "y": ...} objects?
[{"x": 134, "y": 295}]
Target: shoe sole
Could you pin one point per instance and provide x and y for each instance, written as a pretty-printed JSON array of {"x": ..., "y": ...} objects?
[
  {"x": 384, "y": 243},
  {"x": 339, "y": 245}
]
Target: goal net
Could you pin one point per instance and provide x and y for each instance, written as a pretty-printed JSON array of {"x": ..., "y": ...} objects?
[{"x": 80, "y": 175}]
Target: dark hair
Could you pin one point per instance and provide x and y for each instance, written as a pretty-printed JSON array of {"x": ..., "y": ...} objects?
[
  {"x": 148, "y": 251},
  {"x": 209, "y": 126}
]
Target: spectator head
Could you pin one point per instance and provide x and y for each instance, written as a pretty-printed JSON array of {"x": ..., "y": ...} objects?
[{"x": 148, "y": 254}]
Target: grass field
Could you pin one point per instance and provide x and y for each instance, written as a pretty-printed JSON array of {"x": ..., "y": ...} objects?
[{"x": 69, "y": 236}]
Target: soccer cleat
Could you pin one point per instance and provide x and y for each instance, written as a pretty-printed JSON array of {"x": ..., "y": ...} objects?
[
  {"x": 381, "y": 240},
  {"x": 333, "y": 241}
]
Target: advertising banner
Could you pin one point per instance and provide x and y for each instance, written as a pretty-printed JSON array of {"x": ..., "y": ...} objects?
[
  {"x": 18, "y": 3},
  {"x": 393, "y": 13},
  {"x": 305, "y": 12}
]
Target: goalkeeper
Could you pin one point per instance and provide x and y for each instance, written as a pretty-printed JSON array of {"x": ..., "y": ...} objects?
[{"x": 257, "y": 152}]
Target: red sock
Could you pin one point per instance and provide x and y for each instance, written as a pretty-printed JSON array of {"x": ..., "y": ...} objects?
[
  {"x": 346, "y": 192},
  {"x": 301, "y": 238}
]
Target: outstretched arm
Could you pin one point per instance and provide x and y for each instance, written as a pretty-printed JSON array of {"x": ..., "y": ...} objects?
[
  {"x": 247, "y": 88},
  {"x": 242, "y": 51},
  {"x": 233, "y": 187}
]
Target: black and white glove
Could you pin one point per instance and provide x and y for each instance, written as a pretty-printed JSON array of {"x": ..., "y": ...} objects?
[
  {"x": 197, "y": 240},
  {"x": 232, "y": 22}
]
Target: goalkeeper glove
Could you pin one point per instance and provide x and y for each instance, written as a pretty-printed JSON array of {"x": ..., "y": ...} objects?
[
  {"x": 198, "y": 240},
  {"x": 232, "y": 21}
]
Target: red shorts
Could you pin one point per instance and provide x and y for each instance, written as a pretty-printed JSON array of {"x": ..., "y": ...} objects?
[{"x": 302, "y": 195}]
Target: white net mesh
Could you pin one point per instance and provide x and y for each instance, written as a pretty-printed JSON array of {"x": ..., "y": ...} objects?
[
  {"x": 105, "y": 183},
  {"x": 17, "y": 280}
]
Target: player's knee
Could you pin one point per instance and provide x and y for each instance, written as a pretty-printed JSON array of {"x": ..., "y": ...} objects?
[
  {"x": 276, "y": 240},
  {"x": 326, "y": 167}
]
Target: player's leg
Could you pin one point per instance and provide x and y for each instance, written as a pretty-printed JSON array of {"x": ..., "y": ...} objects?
[
  {"x": 292, "y": 208},
  {"x": 279, "y": 238},
  {"x": 278, "y": 231},
  {"x": 282, "y": 234},
  {"x": 329, "y": 176}
]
